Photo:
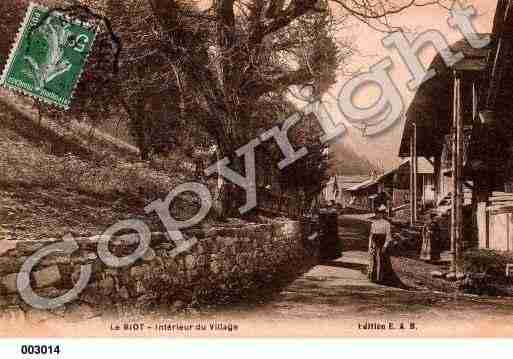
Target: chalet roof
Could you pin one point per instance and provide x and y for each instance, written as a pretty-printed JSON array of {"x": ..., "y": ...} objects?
[
  {"x": 423, "y": 167},
  {"x": 431, "y": 107},
  {"x": 362, "y": 185},
  {"x": 347, "y": 182}
]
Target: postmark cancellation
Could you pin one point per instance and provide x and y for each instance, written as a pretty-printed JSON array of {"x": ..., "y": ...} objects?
[{"x": 48, "y": 56}]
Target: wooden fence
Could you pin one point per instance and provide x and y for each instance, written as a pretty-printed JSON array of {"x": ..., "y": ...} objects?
[{"x": 400, "y": 197}]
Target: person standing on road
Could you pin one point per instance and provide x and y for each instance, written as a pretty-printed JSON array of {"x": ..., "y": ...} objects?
[
  {"x": 382, "y": 199},
  {"x": 430, "y": 251},
  {"x": 380, "y": 236}
]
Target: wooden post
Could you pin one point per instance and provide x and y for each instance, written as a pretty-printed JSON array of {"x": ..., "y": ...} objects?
[
  {"x": 412, "y": 197},
  {"x": 479, "y": 193},
  {"x": 415, "y": 165},
  {"x": 457, "y": 172},
  {"x": 423, "y": 190},
  {"x": 481, "y": 224},
  {"x": 453, "y": 194},
  {"x": 438, "y": 184}
]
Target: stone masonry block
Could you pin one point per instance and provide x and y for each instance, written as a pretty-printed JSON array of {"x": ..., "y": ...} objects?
[
  {"x": 9, "y": 283},
  {"x": 47, "y": 276}
]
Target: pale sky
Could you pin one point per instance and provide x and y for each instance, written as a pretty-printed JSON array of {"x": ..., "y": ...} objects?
[{"x": 384, "y": 148}]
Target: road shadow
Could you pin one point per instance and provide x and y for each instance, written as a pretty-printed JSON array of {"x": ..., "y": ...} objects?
[
  {"x": 352, "y": 299},
  {"x": 349, "y": 265},
  {"x": 392, "y": 279}
]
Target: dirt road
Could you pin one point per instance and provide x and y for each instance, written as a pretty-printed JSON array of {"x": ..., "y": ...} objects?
[{"x": 337, "y": 295}]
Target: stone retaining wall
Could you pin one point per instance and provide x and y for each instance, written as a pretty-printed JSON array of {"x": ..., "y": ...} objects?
[{"x": 224, "y": 264}]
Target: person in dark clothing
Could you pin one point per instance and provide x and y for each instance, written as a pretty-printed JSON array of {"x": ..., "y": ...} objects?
[
  {"x": 382, "y": 199},
  {"x": 430, "y": 250}
]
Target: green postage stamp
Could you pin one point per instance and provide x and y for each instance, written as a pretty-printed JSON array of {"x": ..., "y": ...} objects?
[{"x": 48, "y": 56}]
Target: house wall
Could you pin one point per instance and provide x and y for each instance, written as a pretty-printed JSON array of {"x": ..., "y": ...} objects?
[
  {"x": 361, "y": 200},
  {"x": 428, "y": 186},
  {"x": 342, "y": 196},
  {"x": 426, "y": 191},
  {"x": 500, "y": 231},
  {"x": 337, "y": 194},
  {"x": 495, "y": 222},
  {"x": 445, "y": 186},
  {"x": 500, "y": 202}
]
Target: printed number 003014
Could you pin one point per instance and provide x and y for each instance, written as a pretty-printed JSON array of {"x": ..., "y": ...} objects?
[{"x": 40, "y": 349}]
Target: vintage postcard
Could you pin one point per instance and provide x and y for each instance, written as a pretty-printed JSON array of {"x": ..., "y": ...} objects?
[{"x": 256, "y": 168}]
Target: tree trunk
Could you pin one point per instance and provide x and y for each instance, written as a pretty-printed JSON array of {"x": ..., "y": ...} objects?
[{"x": 231, "y": 196}]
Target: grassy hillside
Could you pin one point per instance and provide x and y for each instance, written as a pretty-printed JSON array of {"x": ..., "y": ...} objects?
[
  {"x": 51, "y": 185},
  {"x": 64, "y": 177}
]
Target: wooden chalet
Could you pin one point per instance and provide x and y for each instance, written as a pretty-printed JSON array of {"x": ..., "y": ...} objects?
[
  {"x": 395, "y": 182},
  {"x": 337, "y": 188},
  {"x": 461, "y": 120},
  {"x": 362, "y": 195}
]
